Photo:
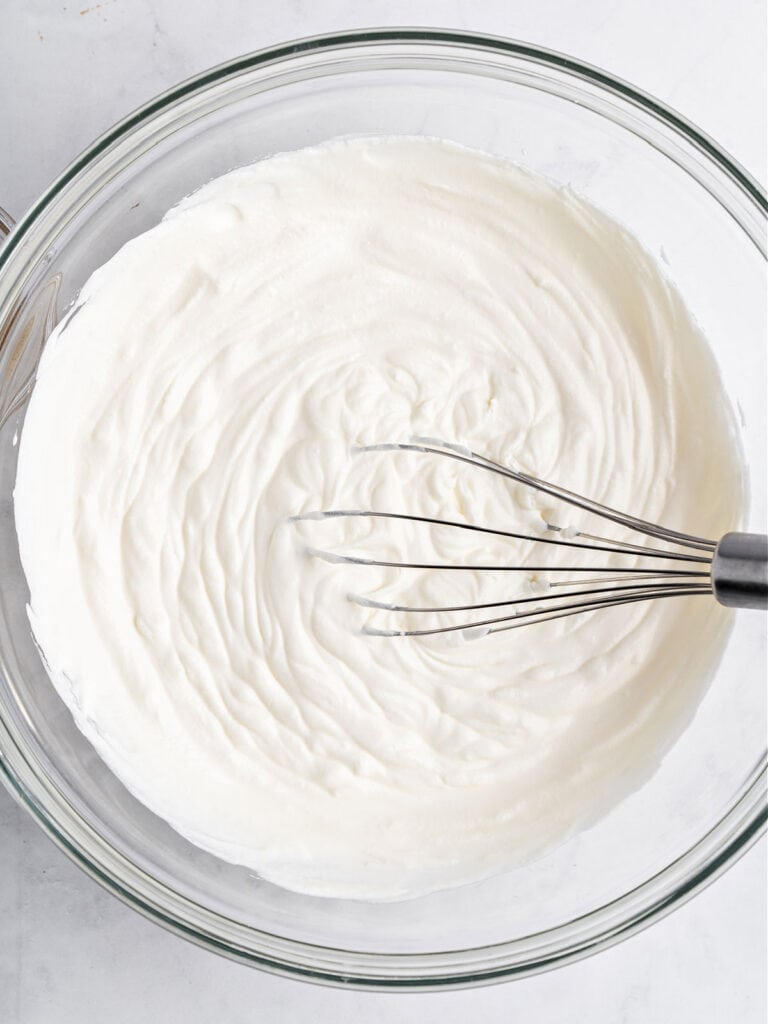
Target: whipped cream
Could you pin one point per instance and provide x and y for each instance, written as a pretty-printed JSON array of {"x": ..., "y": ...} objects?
[{"x": 212, "y": 381}]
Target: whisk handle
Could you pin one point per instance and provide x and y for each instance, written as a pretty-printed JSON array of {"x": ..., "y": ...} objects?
[{"x": 740, "y": 570}]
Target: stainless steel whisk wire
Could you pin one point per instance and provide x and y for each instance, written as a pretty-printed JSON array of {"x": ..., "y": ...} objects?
[{"x": 734, "y": 569}]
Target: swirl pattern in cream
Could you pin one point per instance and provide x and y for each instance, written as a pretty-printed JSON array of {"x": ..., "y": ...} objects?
[{"x": 212, "y": 381}]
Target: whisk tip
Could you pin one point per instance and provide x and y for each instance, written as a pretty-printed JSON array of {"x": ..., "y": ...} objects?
[
  {"x": 365, "y": 602},
  {"x": 438, "y": 442},
  {"x": 371, "y": 631},
  {"x": 325, "y": 556},
  {"x": 302, "y": 517}
]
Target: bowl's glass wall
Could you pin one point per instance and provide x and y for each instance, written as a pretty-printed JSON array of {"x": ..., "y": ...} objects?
[{"x": 689, "y": 214}]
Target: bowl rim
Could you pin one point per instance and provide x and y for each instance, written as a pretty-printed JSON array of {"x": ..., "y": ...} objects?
[
  {"x": 475, "y": 40},
  {"x": 656, "y": 896}
]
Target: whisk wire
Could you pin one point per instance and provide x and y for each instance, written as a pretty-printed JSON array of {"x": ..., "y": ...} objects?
[
  {"x": 332, "y": 556},
  {"x": 611, "y": 547},
  {"x": 578, "y": 501},
  {"x": 499, "y": 625},
  {"x": 642, "y": 589}
]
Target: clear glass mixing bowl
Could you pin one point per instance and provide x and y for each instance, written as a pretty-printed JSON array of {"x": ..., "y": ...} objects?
[{"x": 688, "y": 203}]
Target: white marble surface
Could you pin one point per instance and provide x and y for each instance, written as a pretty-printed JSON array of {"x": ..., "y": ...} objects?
[{"x": 69, "y": 952}]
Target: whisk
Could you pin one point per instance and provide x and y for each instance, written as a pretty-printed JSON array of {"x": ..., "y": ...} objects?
[{"x": 734, "y": 569}]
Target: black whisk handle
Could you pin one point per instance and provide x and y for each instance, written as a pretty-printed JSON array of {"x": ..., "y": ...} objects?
[{"x": 740, "y": 570}]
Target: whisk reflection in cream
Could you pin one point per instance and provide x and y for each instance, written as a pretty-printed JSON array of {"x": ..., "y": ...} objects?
[{"x": 734, "y": 569}]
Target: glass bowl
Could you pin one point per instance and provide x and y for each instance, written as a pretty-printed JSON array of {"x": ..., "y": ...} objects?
[{"x": 689, "y": 204}]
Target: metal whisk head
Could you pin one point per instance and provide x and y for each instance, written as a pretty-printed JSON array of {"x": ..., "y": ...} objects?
[{"x": 735, "y": 569}]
